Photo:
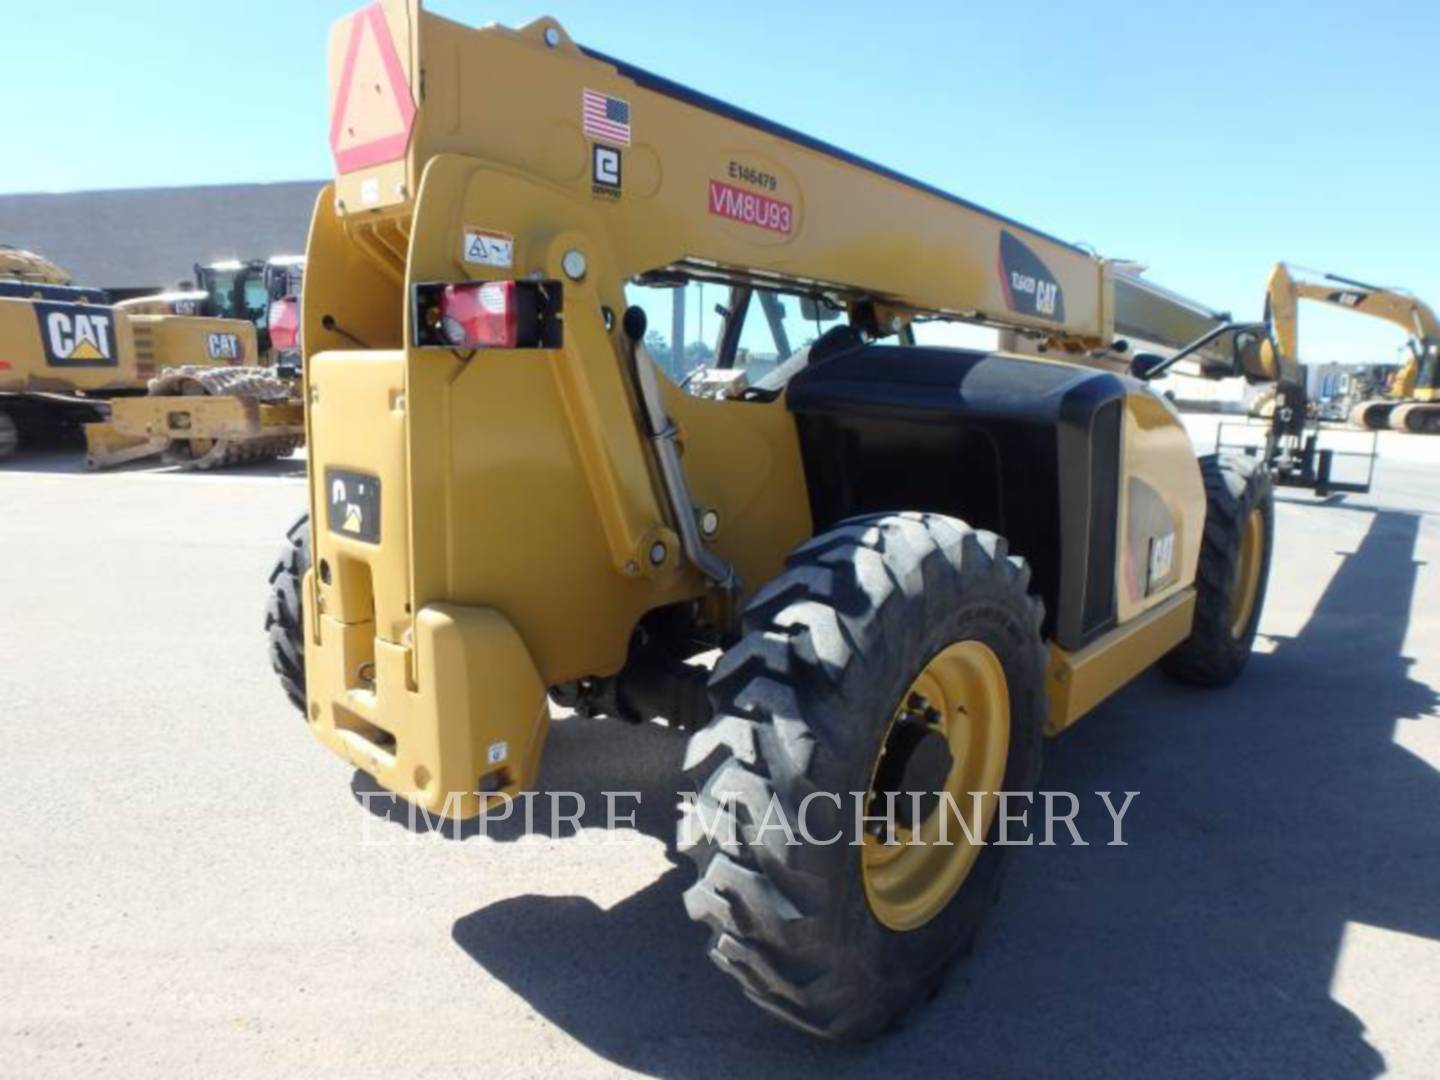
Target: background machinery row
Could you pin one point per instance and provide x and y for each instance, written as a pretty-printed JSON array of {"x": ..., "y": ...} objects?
[{"x": 205, "y": 377}]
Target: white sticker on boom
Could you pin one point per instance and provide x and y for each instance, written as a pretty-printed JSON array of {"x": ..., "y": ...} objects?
[
  {"x": 370, "y": 191},
  {"x": 498, "y": 752},
  {"x": 486, "y": 248}
]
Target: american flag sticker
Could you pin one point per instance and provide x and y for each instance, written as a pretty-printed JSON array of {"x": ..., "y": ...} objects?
[{"x": 605, "y": 117}]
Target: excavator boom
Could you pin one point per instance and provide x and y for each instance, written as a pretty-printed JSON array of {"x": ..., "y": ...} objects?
[{"x": 1418, "y": 379}]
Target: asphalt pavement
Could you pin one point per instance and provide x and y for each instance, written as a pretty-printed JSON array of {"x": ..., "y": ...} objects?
[{"x": 192, "y": 886}]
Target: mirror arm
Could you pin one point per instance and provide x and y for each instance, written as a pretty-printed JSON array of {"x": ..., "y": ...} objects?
[{"x": 1200, "y": 343}]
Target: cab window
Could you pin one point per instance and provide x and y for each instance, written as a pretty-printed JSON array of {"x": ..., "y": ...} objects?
[
  {"x": 724, "y": 326},
  {"x": 220, "y": 285},
  {"x": 257, "y": 300},
  {"x": 689, "y": 310},
  {"x": 777, "y": 325}
]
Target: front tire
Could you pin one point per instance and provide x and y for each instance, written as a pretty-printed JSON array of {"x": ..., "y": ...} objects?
[
  {"x": 285, "y": 614},
  {"x": 1232, "y": 574},
  {"x": 809, "y": 701}
]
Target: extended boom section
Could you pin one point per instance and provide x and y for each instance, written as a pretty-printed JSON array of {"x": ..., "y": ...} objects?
[{"x": 680, "y": 180}]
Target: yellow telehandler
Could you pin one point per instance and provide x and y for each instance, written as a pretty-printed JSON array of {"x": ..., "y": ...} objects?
[{"x": 914, "y": 561}]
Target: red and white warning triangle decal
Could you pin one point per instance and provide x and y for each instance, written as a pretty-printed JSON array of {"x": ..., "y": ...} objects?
[{"x": 373, "y": 112}]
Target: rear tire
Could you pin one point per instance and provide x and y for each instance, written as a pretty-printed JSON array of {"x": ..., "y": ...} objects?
[
  {"x": 285, "y": 614},
  {"x": 1229, "y": 582},
  {"x": 803, "y": 703}
]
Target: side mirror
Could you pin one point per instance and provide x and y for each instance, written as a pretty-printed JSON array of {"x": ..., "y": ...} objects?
[
  {"x": 1143, "y": 365},
  {"x": 818, "y": 309},
  {"x": 1255, "y": 358}
]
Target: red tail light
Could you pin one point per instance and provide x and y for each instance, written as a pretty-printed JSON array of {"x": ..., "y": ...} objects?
[
  {"x": 284, "y": 324},
  {"x": 480, "y": 315},
  {"x": 488, "y": 315}
]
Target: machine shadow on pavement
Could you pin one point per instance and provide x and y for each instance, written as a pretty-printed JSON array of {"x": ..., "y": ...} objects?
[{"x": 1270, "y": 815}]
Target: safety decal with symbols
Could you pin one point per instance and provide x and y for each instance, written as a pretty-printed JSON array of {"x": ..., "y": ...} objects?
[
  {"x": 484, "y": 247},
  {"x": 353, "y": 502}
]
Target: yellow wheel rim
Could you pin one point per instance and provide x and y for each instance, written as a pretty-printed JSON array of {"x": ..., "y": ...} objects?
[
  {"x": 962, "y": 692},
  {"x": 1247, "y": 573}
]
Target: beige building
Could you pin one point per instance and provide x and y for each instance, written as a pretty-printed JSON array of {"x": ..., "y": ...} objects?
[{"x": 141, "y": 240}]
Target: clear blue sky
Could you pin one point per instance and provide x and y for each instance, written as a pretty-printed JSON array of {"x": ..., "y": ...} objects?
[{"x": 1205, "y": 139}]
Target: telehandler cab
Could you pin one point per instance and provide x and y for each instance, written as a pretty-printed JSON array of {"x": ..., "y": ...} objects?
[{"x": 916, "y": 561}]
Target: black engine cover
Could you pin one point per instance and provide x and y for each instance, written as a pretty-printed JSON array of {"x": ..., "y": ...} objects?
[{"x": 1028, "y": 449}]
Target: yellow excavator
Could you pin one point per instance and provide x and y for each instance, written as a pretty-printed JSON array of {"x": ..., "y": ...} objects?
[
  {"x": 135, "y": 384},
  {"x": 914, "y": 562},
  {"x": 1412, "y": 401},
  {"x": 1291, "y": 451}
]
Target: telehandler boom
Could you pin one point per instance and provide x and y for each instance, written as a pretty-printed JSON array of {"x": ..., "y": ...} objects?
[{"x": 916, "y": 561}]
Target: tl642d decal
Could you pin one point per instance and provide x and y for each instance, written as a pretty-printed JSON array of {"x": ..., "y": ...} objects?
[{"x": 1030, "y": 288}]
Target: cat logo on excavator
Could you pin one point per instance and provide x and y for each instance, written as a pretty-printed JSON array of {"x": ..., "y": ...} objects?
[{"x": 77, "y": 335}]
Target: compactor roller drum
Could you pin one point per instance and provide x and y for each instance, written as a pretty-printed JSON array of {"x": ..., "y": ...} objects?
[
  {"x": 262, "y": 384},
  {"x": 1233, "y": 572},
  {"x": 284, "y": 612},
  {"x": 895, "y": 653}
]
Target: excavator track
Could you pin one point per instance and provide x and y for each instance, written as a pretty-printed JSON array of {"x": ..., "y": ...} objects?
[
  {"x": 1418, "y": 418},
  {"x": 262, "y": 384},
  {"x": 1373, "y": 415}
]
